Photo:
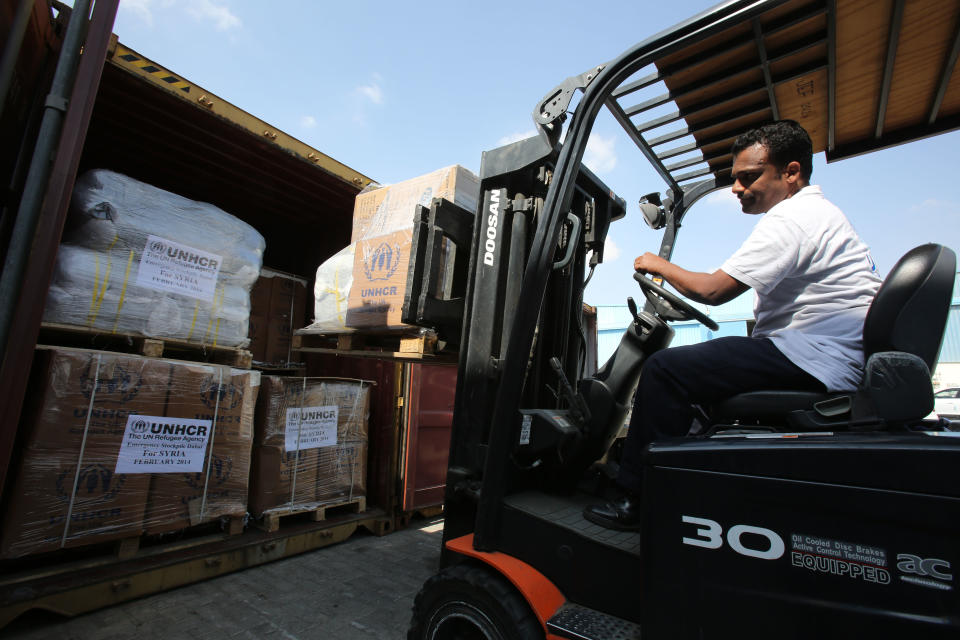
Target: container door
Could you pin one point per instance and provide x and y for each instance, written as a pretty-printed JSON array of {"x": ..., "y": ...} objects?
[{"x": 429, "y": 392}]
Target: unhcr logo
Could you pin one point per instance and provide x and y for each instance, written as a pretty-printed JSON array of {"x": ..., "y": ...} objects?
[
  {"x": 381, "y": 262},
  {"x": 219, "y": 473},
  {"x": 95, "y": 484},
  {"x": 116, "y": 379},
  {"x": 140, "y": 426},
  {"x": 171, "y": 251}
]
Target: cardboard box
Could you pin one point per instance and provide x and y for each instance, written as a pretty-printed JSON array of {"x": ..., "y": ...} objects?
[
  {"x": 379, "y": 281},
  {"x": 78, "y": 481},
  {"x": 341, "y": 471},
  {"x": 259, "y": 314},
  {"x": 278, "y": 349},
  {"x": 278, "y": 304},
  {"x": 227, "y": 398},
  {"x": 280, "y": 478},
  {"x": 383, "y": 221},
  {"x": 46, "y": 513},
  {"x": 310, "y": 443},
  {"x": 391, "y": 208},
  {"x": 383, "y": 234},
  {"x": 258, "y": 333}
]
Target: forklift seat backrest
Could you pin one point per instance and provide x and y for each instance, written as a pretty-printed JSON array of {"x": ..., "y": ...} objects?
[
  {"x": 909, "y": 312},
  {"x": 902, "y": 334}
]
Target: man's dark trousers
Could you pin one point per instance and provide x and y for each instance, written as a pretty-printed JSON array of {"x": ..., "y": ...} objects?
[{"x": 702, "y": 374}]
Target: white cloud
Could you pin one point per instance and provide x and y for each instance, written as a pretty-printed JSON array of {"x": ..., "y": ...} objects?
[
  {"x": 515, "y": 137},
  {"x": 933, "y": 204},
  {"x": 372, "y": 91},
  {"x": 143, "y": 9},
  {"x": 223, "y": 19},
  {"x": 600, "y": 154},
  {"x": 610, "y": 250},
  {"x": 308, "y": 122}
]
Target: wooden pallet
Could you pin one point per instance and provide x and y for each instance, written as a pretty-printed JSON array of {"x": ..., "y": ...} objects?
[
  {"x": 270, "y": 521},
  {"x": 83, "y": 337},
  {"x": 72, "y": 585},
  {"x": 297, "y": 371},
  {"x": 401, "y": 345},
  {"x": 98, "y": 554},
  {"x": 129, "y": 547}
]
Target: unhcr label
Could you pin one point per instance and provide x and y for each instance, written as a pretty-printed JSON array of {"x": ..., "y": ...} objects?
[
  {"x": 155, "y": 444},
  {"x": 311, "y": 428},
  {"x": 170, "y": 266}
]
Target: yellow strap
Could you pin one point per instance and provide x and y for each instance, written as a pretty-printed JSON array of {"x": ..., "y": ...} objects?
[
  {"x": 103, "y": 289},
  {"x": 98, "y": 296},
  {"x": 96, "y": 285},
  {"x": 337, "y": 296},
  {"x": 193, "y": 323},
  {"x": 123, "y": 292},
  {"x": 214, "y": 307}
]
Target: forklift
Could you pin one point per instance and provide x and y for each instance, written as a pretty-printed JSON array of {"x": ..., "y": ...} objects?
[{"x": 792, "y": 514}]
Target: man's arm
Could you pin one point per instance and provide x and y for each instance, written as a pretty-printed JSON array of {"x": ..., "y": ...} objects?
[{"x": 709, "y": 288}]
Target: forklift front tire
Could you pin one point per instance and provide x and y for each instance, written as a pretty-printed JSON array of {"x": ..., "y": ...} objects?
[{"x": 467, "y": 602}]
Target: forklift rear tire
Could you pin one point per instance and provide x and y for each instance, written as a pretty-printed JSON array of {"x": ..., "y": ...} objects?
[{"x": 471, "y": 602}]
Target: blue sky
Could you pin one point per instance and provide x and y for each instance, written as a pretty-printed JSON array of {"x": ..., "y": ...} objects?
[{"x": 396, "y": 90}]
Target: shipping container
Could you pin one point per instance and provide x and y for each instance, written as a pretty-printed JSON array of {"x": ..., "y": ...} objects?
[{"x": 74, "y": 99}]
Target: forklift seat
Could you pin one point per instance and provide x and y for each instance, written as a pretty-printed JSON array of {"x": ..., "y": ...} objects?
[{"x": 902, "y": 334}]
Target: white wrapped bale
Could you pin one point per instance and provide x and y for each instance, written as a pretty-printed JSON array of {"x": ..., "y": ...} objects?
[
  {"x": 141, "y": 260},
  {"x": 94, "y": 289},
  {"x": 110, "y": 211},
  {"x": 332, "y": 290}
]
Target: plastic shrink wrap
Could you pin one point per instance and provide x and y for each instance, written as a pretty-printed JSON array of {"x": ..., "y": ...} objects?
[
  {"x": 331, "y": 290},
  {"x": 310, "y": 446},
  {"x": 118, "y": 445},
  {"x": 137, "y": 259}
]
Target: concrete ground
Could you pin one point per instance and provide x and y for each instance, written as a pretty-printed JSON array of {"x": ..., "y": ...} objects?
[{"x": 361, "y": 588}]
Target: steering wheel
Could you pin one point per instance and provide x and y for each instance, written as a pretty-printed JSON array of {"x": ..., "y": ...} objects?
[{"x": 670, "y": 306}]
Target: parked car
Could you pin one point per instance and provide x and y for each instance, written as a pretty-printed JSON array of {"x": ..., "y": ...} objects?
[{"x": 946, "y": 403}]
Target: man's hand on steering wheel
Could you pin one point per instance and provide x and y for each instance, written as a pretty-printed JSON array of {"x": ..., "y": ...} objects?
[
  {"x": 649, "y": 263},
  {"x": 667, "y": 305}
]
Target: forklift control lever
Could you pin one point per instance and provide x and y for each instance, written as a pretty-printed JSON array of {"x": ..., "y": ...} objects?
[
  {"x": 633, "y": 310},
  {"x": 578, "y": 408}
]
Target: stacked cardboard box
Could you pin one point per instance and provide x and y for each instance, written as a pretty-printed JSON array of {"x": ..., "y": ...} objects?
[
  {"x": 310, "y": 445},
  {"x": 380, "y": 251},
  {"x": 277, "y": 309},
  {"x": 391, "y": 208},
  {"x": 116, "y": 445},
  {"x": 382, "y": 230}
]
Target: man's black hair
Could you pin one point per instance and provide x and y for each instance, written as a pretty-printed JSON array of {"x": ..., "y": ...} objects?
[{"x": 785, "y": 141}]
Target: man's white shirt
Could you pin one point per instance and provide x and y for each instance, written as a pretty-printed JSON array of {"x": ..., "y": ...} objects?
[{"x": 815, "y": 281}]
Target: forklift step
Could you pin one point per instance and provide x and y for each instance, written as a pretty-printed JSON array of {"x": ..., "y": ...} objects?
[{"x": 580, "y": 623}]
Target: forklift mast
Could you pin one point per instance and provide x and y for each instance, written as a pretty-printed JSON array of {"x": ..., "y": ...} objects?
[{"x": 516, "y": 181}]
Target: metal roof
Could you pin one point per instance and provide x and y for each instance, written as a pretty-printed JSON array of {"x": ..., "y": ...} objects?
[{"x": 859, "y": 75}]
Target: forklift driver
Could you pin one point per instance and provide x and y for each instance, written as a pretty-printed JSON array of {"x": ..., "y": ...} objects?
[{"x": 814, "y": 280}]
